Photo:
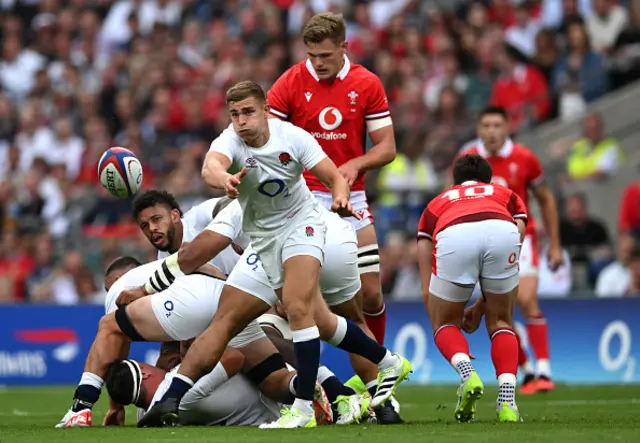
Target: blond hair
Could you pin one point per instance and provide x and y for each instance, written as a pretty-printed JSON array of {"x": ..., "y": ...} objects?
[
  {"x": 244, "y": 90},
  {"x": 325, "y": 26}
]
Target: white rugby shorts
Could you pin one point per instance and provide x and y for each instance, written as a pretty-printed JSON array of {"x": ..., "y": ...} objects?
[
  {"x": 339, "y": 277},
  {"x": 486, "y": 251},
  {"x": 359, "y": 203},
  {"x": 304, "y": 236},
  {"x": 186, "y": 308}
]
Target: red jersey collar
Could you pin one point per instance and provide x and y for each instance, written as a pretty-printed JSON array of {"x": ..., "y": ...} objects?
[
  {"x": 505, "y": 150},
  {"x": 341, "y": 75}
]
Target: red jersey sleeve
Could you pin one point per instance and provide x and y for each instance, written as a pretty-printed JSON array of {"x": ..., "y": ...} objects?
[
  {"x": 279, "y": 97},
  {"x": 516, "y": 207},
  {"x": 427, "y": 224},
  {"x": 377, "y": 103},
  {"x": 534, "y": 171}
]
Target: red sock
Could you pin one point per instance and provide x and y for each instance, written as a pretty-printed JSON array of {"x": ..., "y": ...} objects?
[
  {"x": 377, "y": 323},
  {"x": 523, "y": 358},
  {"x": 450, "y": 341},
  {"x": 538, "y": 336},
  {"x": 504, "y": 352}
]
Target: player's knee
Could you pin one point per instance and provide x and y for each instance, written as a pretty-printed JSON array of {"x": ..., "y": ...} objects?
[
  {"x": 528, "y": 301},
  {"x": 493, "y": 326},
  {"x": 372, "y": 300},
  {"x": 297, "y": 310},
  {"x": 232, "y": 360}
]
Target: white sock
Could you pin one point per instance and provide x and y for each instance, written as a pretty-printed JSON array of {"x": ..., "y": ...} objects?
[
  {"x": 462, "y": 364},
  {"x": 340, "y": 333},
  {"x": 528, "y": 368},
  {"x": 544, "y": 368},
  {"x": 305, "y": 407},
  {"x": 92, "y": 380},
  {"x": 323, "y": 374},
  {"x": 210, "y": 382},
  {"x": 506, "y": 390},
  {"x": 388, "y": 361}
]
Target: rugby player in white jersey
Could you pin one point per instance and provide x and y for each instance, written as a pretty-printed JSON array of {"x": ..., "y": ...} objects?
[
  {"x": 287, "y": 232},
  {"x": 236, "y": 402},
  {"x": 181, "y": 312},
  {"x": 339, "y": 284}
]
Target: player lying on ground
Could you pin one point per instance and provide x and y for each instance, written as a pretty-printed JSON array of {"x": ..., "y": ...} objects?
[
  {"x": 339, "y": 102},
  {"x": 287, "y": 232},
  {"x": 339, "y": 284},
  {"x": 181, "y": 312},
  {"x": 517, "y": 168},
  {"x": 473, "y": 233}
]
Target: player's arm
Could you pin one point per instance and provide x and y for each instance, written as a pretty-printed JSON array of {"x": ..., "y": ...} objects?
[
  {"x": 549, "y": 208},
  {"x": 278, "y": 98},
  {"x": 426, "y": 227},
  {"x": 518, "y": 210},
  {"x": 214, "y": 169},
  {"x": 383, "y": 151}
]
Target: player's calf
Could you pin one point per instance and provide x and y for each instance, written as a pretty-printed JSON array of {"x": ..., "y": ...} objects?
[{"x": 537, "y": 330}]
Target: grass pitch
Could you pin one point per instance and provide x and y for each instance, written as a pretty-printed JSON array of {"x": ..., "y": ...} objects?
[{"x": 570, "y": 414}]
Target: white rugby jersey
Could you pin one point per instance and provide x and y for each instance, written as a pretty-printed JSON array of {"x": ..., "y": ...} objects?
[
  {"x": 273, "y": 190},
  {"x": 228, "y": 222},
  {"x": 134, "y": 278},
  {"x": 194, "y": 222}
]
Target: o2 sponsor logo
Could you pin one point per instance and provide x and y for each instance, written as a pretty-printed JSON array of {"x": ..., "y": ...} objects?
[
  {"x": 168, "y": 305},
  {"x": 273, "y": 188},
  {"x": 412, "y": 337},
  {"x": 252, "y": 261},
  {"x": 611, "y": 360}
]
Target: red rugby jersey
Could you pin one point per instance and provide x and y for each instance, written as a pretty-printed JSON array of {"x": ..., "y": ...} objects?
[{"x": 335, "y": 113}]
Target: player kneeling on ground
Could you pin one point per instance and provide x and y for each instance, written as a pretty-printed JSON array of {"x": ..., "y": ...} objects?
[{"x": 473, "y": 233}]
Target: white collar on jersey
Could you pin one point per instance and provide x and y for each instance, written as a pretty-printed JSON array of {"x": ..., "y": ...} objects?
[
  {"x": 341, "y": 75},
  {"x": 505, "y": 150}
]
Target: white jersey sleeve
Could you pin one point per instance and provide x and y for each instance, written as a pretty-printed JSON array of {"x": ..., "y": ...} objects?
[
  {"x": 201, "y": 215},
  {"x": 228, "y": 222},
  {"x": 134, "y": 278},
  {"x": 307, "y": 149},
  {"x": 225, "y": 144}
]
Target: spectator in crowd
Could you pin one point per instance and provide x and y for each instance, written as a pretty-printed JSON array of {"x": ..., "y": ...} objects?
[
  {"x": 522, "y": 34},
  {"x": 629, "y": 217},
  {"x": 584, "y": 237},
  {"x": 521, "y": 89},
  {"x": 546, "y": 53},
  {"x": 625, "y": 54},
  {"x": 622, "y": 278},
  {"x": 594, "y": 156},
  {"x": 580, "y": 76},
  {"x": 605, "y": 24}
]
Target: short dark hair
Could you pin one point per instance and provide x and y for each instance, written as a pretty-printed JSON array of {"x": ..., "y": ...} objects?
[
  {"x": 472, "y": 167},
  {"x": 244, "y": 90},
  {"x": 154, "y": 197},
  {"x": 119, "y": 382},
  {"x": 124, "y": 262},
  {"x": 493, "y": 110}
]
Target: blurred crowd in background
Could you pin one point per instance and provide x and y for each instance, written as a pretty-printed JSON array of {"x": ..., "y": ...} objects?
[{"x": 78, "y": 76}]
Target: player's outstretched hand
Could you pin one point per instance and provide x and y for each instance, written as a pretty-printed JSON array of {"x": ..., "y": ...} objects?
[
  {"x": 115, "y": 417},
  {"x": 343, "y": 208},
  {"x": 554, "y": 256},
  {"x": 232, "y": 182},
  {"x": 129, "y": 296}
]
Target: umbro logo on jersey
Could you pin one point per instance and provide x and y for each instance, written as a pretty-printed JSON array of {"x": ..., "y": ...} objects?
[
  {"x": 251, "y": 163},
  {"x": 308, "y": 95}
]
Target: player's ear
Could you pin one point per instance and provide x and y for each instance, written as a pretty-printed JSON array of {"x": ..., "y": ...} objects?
[
  {"x": 344, "y": 45},
  {"x": 175, "y": 215},
  {"x": 266, "y": 108}
]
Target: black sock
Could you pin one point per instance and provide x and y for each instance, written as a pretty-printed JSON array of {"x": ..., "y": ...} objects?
[
  {"x": 177, "y": 389},
  {"x": 333, "y": 388},
  {"x": 372, "y": 390},
  {"x": 355, "y": 341},
  {"x": 308, "y": 358},
  {"x": 85, "y": 397}
]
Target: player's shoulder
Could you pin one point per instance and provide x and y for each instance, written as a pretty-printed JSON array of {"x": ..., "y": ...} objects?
[
  {"x": 227, "y": 137},
  {"x": 521, "y": 152},
  {"x": 360, "y": 73}
]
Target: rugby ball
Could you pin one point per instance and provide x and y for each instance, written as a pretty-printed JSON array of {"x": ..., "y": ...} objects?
[{"x": 120, "y": 172}]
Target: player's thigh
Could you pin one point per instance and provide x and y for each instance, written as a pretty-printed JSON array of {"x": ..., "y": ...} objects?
[
  {"x": 529, "y": 257},
  {"x": 457, "y": 255},
  {"x": 144, "y": 320},
  {"x": 448, "y": 311},
  {"x": 528, "y": 295},
  {"x": 187, "y": 307},
  {"x": 500, "y": 260},
  {"x": 249, "y": 276},
  {"x": 339, "y": 277},
  {"x": 237, "y": 309}
]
